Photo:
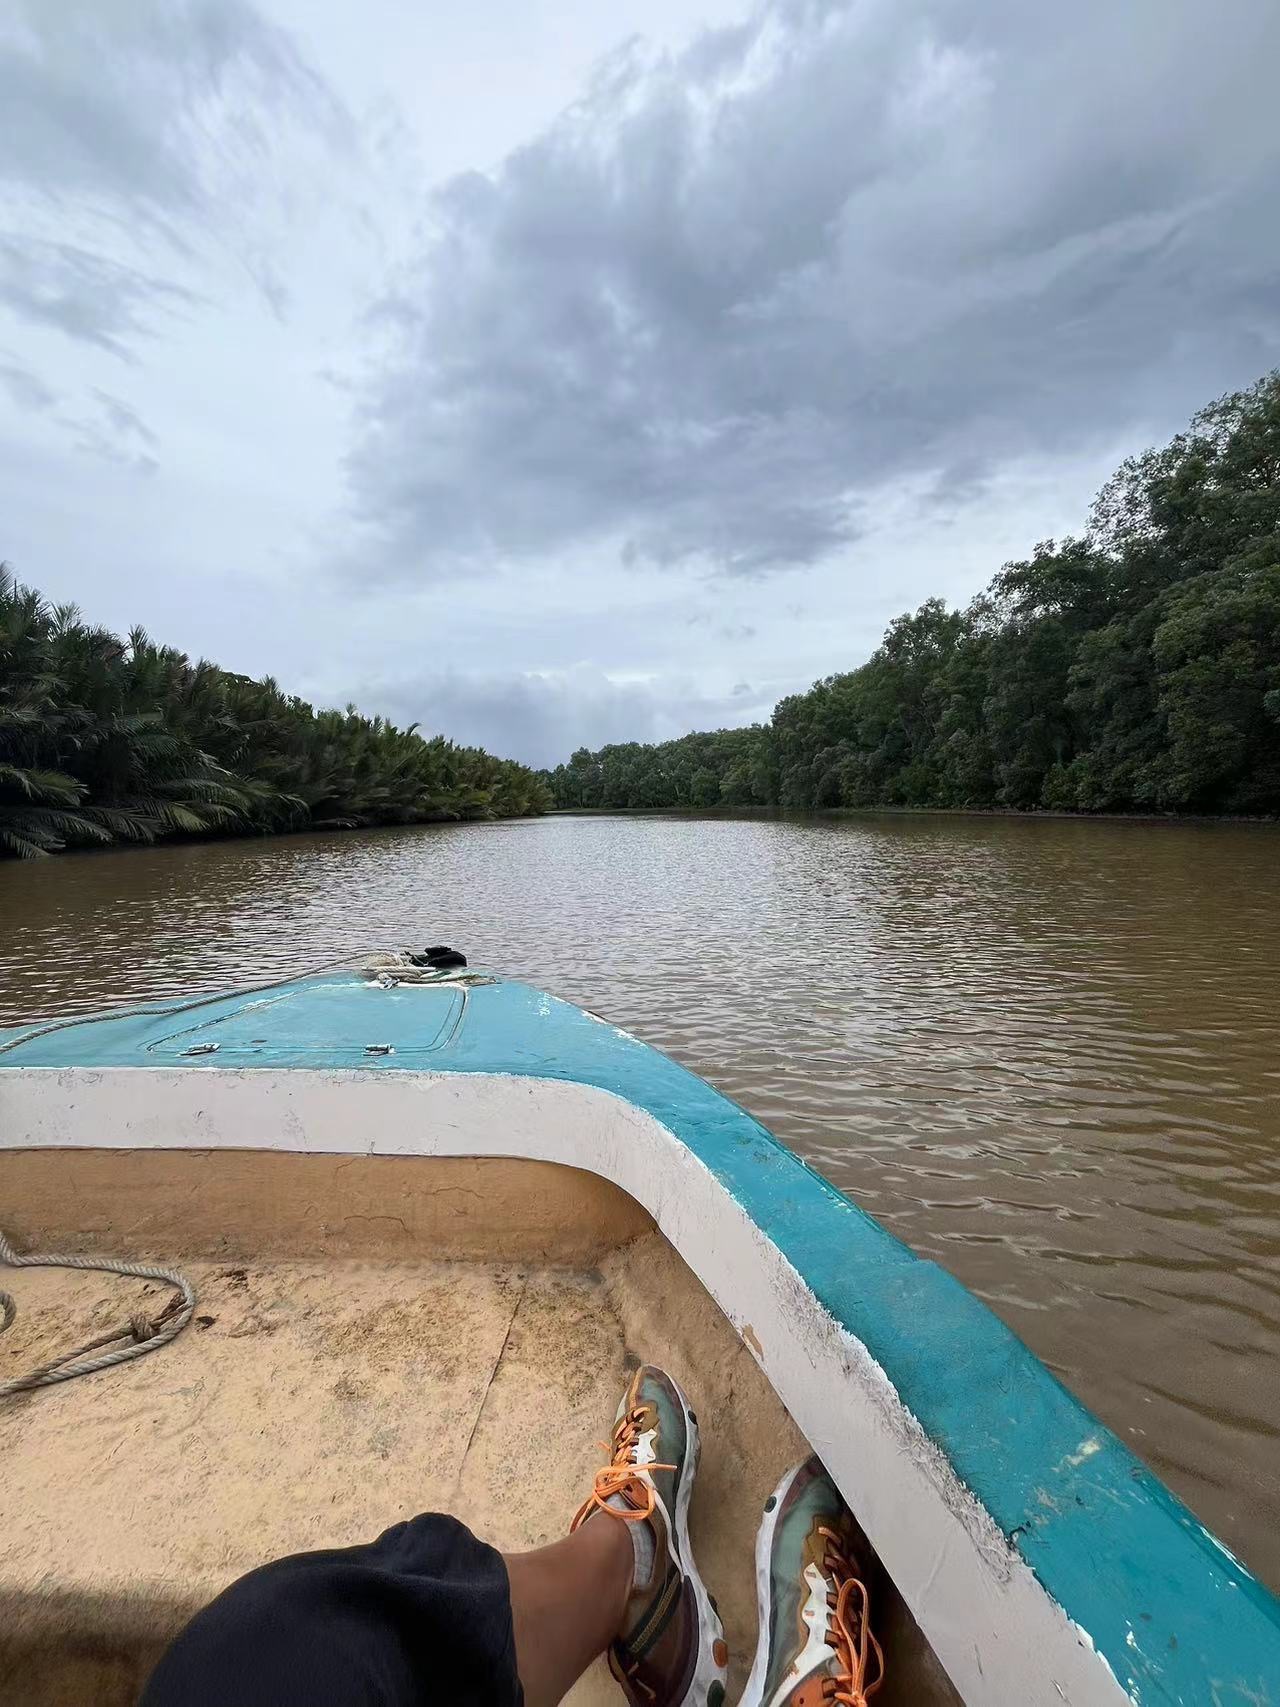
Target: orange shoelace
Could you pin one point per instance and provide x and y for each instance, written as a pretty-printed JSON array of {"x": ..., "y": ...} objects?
[
  {"x": 621, "y": 1475},
  {"x": 631, "y": 1673},
  {"x": 859, "y": 1655}
]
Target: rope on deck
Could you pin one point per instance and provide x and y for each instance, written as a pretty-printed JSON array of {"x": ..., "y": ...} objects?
[{"x": 143, "y": 1333}]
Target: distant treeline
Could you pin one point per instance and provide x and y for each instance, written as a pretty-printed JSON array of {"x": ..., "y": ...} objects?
[
  {"x": 110, "y": 740},
  {"x": 1134, "y": 669}
]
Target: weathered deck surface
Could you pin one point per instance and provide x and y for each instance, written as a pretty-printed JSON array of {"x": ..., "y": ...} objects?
[
  {"x": 321, "y": 1395},
  {"x": 310, "y": 1405}
]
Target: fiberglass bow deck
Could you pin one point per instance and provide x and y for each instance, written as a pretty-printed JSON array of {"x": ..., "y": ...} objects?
[{"x": 428, "y": 1213}]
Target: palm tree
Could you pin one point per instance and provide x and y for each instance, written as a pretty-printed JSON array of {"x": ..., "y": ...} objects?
[
  {"x": 38, "y": 802},
  {"x": 103, "y": 739}
]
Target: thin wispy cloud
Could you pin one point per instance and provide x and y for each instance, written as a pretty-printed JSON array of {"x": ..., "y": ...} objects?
[
  {"x": 142, "y": 144},
  {"x": 26, "y": 390},
  {"x": 86, "y": 295}
]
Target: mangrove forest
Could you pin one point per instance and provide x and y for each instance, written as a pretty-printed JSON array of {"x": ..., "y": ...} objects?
[{"x": 1135, "y": 668}]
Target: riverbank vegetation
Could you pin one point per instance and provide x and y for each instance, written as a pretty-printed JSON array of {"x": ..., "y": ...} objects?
[
  {"x": 109, "y": 740},
  {"x": 1135, "y": 668}
]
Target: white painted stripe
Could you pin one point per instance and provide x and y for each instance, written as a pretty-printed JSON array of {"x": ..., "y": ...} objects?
[{"x": 1002, "y": 1639}]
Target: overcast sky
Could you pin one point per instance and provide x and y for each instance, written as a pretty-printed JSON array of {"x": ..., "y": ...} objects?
[{"x": 552, "y": 372}]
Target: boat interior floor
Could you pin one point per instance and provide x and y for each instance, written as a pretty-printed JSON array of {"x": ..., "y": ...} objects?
[{"x": 337, "y": 1380}]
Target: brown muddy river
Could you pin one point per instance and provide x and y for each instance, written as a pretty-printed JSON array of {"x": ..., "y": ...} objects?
[{"x": 1045, "y": 1053}]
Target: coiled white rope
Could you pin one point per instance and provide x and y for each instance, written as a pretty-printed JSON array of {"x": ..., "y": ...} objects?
[{"x": 143, "y": 1333}]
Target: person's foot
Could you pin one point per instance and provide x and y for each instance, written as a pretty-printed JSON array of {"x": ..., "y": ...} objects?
[
  {"x": 670, "y": 1649},
  {"x": 815, "y": 1645}
]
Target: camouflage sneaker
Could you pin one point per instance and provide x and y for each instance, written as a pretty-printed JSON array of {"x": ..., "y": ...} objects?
[
  {"x": 815, "y": 1644},
  {"x": 671, "y": 1650}
]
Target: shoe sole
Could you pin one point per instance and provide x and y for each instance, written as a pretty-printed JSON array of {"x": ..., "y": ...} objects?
[
  {"x": 707, "y": 1672},
  {"x": 753, "y": 1690}
]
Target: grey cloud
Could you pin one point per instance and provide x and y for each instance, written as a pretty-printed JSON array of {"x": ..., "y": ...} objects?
[
  {"x": 540, "y": 719},
  {"x": 731, "y": 291},
  {"x": 713, "y": 621},
  {"x": 114, "y": 431},
  {"x": 85, "y": 295},
  {"x": 123, "y": 419},
  {"x": 108, "y": 427},
  {"x": 149, "y": 127},
  {"x": 146, "y": 104},
  {"x": 26, "y": 389}
]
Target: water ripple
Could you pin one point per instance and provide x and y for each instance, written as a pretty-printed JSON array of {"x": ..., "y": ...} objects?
[{"x": 1044, "y": 1053}]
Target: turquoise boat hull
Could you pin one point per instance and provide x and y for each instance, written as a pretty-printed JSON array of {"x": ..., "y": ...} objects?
[{"x": 1042, "y": 1560}]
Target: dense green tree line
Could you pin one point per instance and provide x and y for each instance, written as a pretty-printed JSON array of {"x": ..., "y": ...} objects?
[
  {"x": 105, "y": 740},
  {"x": 1133, "y": 669}
]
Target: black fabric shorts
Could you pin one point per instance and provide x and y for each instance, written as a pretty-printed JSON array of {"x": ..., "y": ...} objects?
[{"x": 420, "y": 1616}]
